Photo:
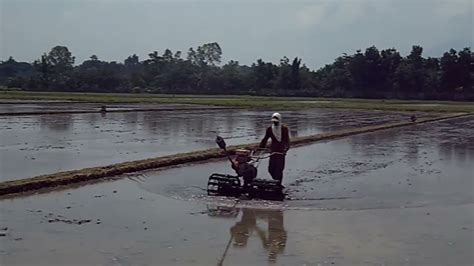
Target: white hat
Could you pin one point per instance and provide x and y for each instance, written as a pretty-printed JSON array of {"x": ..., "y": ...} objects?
[{"x": 276, "y": 117}]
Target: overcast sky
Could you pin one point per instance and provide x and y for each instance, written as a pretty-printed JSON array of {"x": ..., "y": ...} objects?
[{"x": 317, "y": 31}]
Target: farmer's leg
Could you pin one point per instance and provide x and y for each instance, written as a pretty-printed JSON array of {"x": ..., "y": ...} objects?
[
  {"x": 276, "y": 166},
  {"x": 271, "y": 166},
  {"x": 281, "y": 167}
]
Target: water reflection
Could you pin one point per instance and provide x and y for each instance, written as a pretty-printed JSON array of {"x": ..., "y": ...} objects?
[
  {"x": 56, "y": 122},
  {"x": 239, "y": 125},
  {"x": 272, "y": 235},
  {"x": 273, "y": 239},
  {"x": 131, "y": 120},
  {"x": 412, "y": 152},
  {"x": 453, "y": 140},
  {"x": 461, "y": 151}
]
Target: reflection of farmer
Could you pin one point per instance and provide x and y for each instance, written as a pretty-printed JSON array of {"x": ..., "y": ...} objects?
[
  {"x": 280, "y": 137},
  {"x": 242, "y": 230},
  {"x": 275, "y": 242}
]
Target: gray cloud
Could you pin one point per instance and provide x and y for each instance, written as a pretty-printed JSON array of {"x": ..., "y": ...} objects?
[{"x": 317, "y": 31}]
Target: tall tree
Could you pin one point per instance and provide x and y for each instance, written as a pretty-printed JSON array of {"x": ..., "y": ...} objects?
[
  {"x": 45, "y": 69},
  {"x": 132, "y": 60},
  {"x": 264, "y": 75},
  {"x": 284, "y": 81},
  {"x": 295, "y": 74},
  {"x": 466, "y": 70},
  {"x": 60, "y": 58},
  {"x": 450, "y": 72},
  {"x": 208, "y": 54}
]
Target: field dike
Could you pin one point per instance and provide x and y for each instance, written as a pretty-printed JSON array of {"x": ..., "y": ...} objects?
[
  {"x": 113, "y": 111},
  {"x": 62, "y": 179}
]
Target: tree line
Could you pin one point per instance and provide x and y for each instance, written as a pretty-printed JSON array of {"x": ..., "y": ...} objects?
[{"x": 366, "y": 74}]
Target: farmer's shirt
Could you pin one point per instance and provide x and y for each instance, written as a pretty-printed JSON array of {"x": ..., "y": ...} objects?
[{"x": 277, "y": 146}]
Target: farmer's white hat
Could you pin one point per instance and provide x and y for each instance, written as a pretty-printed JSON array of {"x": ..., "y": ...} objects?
[{"x": 276, "y": 117}]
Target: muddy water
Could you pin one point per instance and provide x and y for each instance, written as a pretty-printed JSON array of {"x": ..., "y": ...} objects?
[
  {"x": 51, "y": 143},
  {"x": 397, "y": 197}
]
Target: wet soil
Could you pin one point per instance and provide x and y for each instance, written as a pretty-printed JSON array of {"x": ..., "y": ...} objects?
[
  {"x": 395, "y": 197},
  {"x": 53, "y": 143}
]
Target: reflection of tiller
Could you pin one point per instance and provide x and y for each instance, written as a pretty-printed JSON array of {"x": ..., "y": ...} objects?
[{"x": 245, "y": 164}]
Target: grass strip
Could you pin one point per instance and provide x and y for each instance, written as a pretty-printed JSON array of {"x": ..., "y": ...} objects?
[{"x": 244, "y": 101}]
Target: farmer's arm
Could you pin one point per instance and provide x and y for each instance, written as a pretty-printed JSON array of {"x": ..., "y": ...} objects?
[{"x": 263, "y": 143}]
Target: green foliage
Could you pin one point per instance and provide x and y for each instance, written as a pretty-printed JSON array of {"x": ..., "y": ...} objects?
[
  {"x": 208, "y": 54},
  {"x": 60, "y": 58},
  {"x": 372, "y": 73}
]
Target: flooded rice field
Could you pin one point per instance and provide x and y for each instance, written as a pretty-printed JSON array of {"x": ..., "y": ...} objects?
[
  {"x": 395, "y": 197},
  {"x": 398, "y": 168},
  {"x": 45, "y": 144}
]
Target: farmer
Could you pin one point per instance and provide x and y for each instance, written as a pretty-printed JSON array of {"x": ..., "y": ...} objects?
[{"x": 280, "y": 145}]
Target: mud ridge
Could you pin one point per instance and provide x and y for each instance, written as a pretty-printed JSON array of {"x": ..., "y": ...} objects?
[
  {"x": 103, "y": 172},
  {"x": 114, "y": 111}
]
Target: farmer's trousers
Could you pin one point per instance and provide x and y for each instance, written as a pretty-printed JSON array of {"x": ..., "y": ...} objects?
[{"x": 276, "y": 166}]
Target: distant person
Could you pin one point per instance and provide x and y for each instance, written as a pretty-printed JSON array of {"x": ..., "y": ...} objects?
[{"x": 279, "y": 134}]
